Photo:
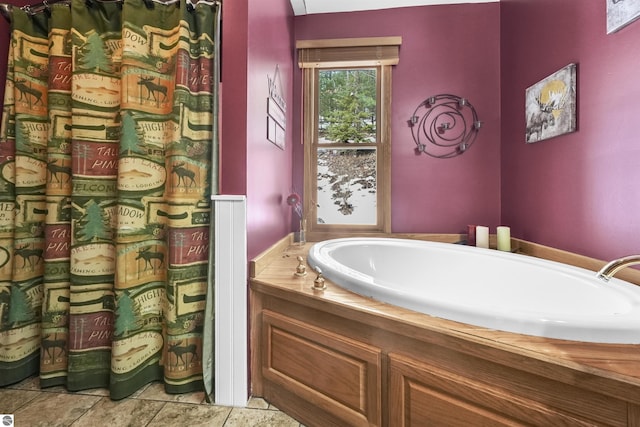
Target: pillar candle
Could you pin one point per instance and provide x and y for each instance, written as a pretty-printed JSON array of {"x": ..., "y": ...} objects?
[
  {"x": 504, "y": 238},
  {"x": 471, "y": 235},
  {"x": 482, "y": 236}
]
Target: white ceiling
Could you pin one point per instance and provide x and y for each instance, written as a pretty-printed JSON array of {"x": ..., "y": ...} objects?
[{"x": 304, "y": 7}]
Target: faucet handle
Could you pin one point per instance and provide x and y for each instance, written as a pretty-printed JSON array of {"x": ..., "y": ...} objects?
[
  {"x": 318, "y": 283},
  {"x": 301, "y": 269}
]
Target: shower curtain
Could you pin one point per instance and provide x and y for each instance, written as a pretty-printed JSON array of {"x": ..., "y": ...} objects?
[{"x": 108, "y": 159}]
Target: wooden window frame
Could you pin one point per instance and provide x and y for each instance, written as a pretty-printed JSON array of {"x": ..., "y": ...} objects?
[{"x": 379, "y": 53}]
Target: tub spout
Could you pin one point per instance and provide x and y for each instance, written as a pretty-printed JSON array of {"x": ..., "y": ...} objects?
[{"x": 609, "y": 270}]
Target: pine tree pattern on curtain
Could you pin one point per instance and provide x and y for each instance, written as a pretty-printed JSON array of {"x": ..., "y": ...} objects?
[{"x": 107, "y": 152}]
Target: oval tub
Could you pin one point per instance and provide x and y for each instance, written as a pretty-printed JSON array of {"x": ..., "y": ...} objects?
[{"x": 484, "y": 287}]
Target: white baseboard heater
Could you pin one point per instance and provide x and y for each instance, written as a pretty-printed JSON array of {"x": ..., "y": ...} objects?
[{"x": 231, "y": 330}]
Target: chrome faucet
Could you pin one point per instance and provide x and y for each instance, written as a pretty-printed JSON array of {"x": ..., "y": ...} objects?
[{"x": 616, "y": 265}]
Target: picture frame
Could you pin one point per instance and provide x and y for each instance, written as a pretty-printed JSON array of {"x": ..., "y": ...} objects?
[
  {"x": 550, "y": 105},
  {"x": 276, "y": 111},
  {"x": 621, "y": 13}
]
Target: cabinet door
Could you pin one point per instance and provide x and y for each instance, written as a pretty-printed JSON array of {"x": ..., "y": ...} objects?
[
  {"x": 340, "y": 375},
  {"x": 421, "y": 394}
]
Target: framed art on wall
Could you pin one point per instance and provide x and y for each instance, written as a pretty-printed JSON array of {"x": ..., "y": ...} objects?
[
  {"x": 550, "y": 105},
  {"x": 621, "y": 13},
  {"x": 276, "y": 111}
]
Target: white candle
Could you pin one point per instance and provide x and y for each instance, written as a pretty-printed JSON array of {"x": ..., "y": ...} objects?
[
  {"x": 504, "y": 239},
  {"x": 482, "y": 236}
]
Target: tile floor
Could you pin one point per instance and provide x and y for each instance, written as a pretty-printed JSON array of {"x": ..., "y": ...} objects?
[{"x": 150, "y": 406}]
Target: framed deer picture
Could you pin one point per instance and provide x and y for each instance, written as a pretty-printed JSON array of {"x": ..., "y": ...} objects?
[
  {"x": 550, "y": 105},
  {"x": 621, "y": 13}
]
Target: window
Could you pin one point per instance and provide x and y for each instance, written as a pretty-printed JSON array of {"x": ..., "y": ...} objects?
[{"x": 347, "y": 97}]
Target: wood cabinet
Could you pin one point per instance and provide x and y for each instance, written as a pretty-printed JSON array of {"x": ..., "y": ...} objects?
[
  {"x": 424, "y": 394},
  {"x": 338, "y": 374},
  {"x": 333, "y": 358},
  {"x": 326, "y": 370}
]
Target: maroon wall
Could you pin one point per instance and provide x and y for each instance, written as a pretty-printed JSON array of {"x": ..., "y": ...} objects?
[
  {"x": 579, "y": 192},
  {"x": 451, "y": 49},
  {"x": 268, "y": 168},
  {"x": 233, "y": 99}
]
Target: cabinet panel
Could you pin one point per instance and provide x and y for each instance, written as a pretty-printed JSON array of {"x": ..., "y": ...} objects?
[
  {"x": 422, "y": 394},
  {"x": 634, "y": 415},
  {"x": 339, "y": 374},
  {"x": 425, "y": 406}
]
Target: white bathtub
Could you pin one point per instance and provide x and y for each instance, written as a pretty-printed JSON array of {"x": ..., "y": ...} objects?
[{"x": 484, "y": 287}]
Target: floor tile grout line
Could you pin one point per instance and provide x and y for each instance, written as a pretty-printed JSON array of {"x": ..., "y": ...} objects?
[
  {"x": 150, "y": 423},
  {"x": 23, "y": 404},
  {"x": 137, "y": 396},
  {"x": 87, "y": 411},
  {"x": 227, "y": 418}
]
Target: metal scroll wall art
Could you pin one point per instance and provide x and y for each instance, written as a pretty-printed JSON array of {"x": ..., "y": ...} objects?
[{"x": 444, "y": 126}]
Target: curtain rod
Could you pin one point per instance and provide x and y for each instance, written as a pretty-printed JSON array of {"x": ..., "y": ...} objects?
[{"x": 5, "y": 9}]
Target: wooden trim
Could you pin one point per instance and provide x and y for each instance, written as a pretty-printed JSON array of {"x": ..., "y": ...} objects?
[
  {"x": 318, "y": 236},
  {"x": 259, "y": 263},
  {"x": 540, "y": 251},
  {"x": 633, "y": 415},
  {"x": 348, "y": 57},
  {"x": 362, "y": 41},
  {"x": 333, "y": 53},
  {"x": 310, "y": 131},
  {"x": 384, "y": 152},
  {"x": 255, "y": 334}
]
